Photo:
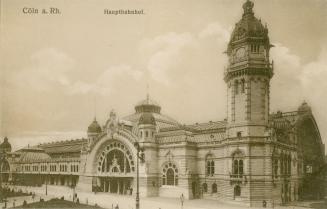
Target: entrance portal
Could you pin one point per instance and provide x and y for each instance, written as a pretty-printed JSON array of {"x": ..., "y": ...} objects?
[{"x": 116, "y": 185}]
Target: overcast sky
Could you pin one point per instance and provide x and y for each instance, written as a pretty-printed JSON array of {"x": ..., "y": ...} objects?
[{"x": 54, "y": 67}]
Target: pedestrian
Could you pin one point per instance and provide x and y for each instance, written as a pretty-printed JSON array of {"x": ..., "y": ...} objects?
[
  {"x": 182, "y": 200},
  {"x": 117, "y": 207}
]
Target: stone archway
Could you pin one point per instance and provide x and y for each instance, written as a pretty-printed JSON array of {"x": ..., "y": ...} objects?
[{"x": 110, "y": 166}]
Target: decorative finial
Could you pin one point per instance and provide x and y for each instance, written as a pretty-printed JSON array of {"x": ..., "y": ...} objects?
[
  {"x": 95, "y": 108},
  {"x": 247, "y": 7}
]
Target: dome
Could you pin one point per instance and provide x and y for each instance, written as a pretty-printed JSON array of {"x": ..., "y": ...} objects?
[
  {"x": 34, "y": 154},
  {"x": 5, "y": 145},
  {"x": 147, "y": 105},
  {"x": 94, "y": 127},
  {"x": 304, "y": 107},
  {"x": 150, "y": 106},
  {"x": 147, "y": 119},
  {"x": 249, "y": 26}
]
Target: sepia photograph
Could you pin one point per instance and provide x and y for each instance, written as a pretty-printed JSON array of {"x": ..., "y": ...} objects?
[{"x": 163, "y": 104}]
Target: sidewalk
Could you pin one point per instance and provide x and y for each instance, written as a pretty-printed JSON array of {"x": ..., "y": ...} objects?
[{"x": 106, "y": 200}]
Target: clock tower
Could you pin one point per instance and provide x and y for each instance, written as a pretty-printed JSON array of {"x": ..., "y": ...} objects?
[{"x": 248, "y": 76}]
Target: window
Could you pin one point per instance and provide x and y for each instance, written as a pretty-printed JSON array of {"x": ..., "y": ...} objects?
[
  {"x": 146, "y": 134},
  {"x": 282, "y": 164},
  {"x": 170, "y": 175},
  {"x": 210, "y": 166},
  {"x": 214, "y": 188},
  {"x": 237, "y": 168},
  {"x": 239, "y": 134},
  {"x": 255, "y": 48},
  {"x": 141, "y": 134},
  {"x": 237, "y": 164},
  {"x": 275, "y": 168},
  {"x": 205, "y": 187},
  {"x": 289, "y": 162},
  {"x": 242, "y": 85},
  {"x": 237, "y": 191},
  {"x": 236, "y": 86}
]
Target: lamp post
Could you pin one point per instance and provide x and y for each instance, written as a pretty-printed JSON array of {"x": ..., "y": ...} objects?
[{"x": 139, "y": 149}]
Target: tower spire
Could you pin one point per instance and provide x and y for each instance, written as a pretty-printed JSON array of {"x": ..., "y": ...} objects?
[
  {"x": 95, "y": 108},
  {"x": 147, "y": 93}
]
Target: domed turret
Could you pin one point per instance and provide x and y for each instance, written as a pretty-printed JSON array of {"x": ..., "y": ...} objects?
[
  {"x": 147, "y": 105},
  {"x": 146, "y": 126},
  {"x": 249, "y": 27},
  {"x": 93, "y": 129},
  {"x": 5, "y": 146},
  {"x": 304, "y": 107}
]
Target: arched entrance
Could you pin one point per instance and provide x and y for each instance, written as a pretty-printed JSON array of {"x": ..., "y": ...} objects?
[{"x": 115, "y": 168}]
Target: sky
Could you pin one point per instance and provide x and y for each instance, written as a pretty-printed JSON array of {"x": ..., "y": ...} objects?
[{"x": 60, "y": 70}]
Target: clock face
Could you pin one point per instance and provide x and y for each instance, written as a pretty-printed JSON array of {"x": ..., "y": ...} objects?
[{"x": 240, "y": 53}]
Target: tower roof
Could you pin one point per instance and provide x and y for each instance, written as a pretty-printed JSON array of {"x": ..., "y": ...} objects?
[
  {"x": 249, "y": 26},
  {"x": 304, "y": 107},
  {"x": 5, "y": 144},
  {"x": 147, "y": 105},
  {"x": 94, "y": 127}
]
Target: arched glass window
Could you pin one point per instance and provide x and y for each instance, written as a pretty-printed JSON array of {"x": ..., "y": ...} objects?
[
  {"x": 237, "y": 191},
  {"x": 205, "y": 187},
  {"x": 214, "y": 188},
  {"x": 170, "y": 175},
  {"x": 115, "y": 158}
]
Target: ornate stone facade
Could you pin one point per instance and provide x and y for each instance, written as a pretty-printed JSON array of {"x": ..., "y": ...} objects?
[{"x": 250, "y": 158}]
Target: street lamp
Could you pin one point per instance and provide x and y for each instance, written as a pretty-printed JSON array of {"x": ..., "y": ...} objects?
[{"x": 139, "y": 149}]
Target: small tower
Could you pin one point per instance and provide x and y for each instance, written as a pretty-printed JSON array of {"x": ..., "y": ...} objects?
[
  {"x": 248, "y": 76},
  {"x": 93, "y": 130},
  {"x": 147, "y": 127},
  {"x": 5, "y": 146}
]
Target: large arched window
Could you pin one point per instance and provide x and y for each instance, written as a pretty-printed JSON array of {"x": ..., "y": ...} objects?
[
  {"x": 115, "y": 158},
  {"x": 210, "y": 165},
  {"x": 170, "y": 174}
]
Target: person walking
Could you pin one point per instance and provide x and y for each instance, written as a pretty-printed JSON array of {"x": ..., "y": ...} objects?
[{"x": 182, "y": 200}]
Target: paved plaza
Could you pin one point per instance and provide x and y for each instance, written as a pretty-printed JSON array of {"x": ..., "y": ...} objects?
[{"x": 109, "y": 201}]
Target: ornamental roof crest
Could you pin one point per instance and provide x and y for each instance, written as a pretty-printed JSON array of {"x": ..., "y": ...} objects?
[{"x": 111, "y": 126}]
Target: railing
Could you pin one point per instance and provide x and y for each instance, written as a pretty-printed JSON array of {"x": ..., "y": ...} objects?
[{"x": 237, "y": 179}]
